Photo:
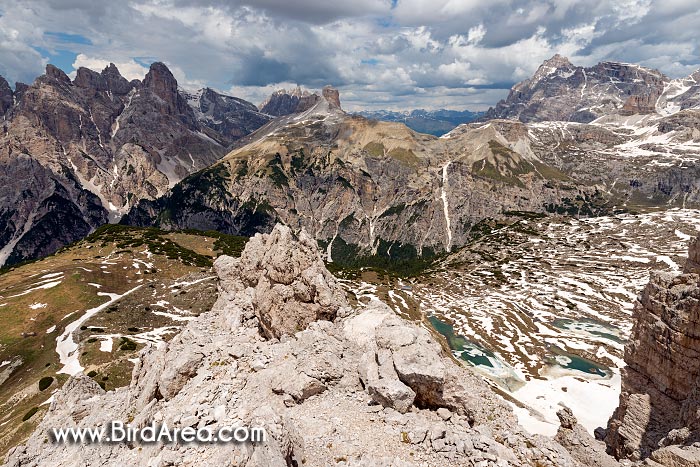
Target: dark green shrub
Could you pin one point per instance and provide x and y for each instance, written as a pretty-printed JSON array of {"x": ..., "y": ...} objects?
[
  {"x": 30, "y": 414},
  {"x": 45, "y": 382},
  {"x": 127, "y": 344}
]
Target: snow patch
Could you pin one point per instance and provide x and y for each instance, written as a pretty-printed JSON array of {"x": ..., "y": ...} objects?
[{"x": 67, "y": 348}]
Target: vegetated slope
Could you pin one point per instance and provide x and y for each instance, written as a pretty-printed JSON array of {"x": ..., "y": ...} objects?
[{"x": 93, "y": 305}]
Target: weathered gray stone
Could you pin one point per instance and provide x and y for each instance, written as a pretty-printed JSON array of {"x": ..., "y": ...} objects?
[
  {"x": 205, "y": 377},
  {"x": 660, "y": 403}
]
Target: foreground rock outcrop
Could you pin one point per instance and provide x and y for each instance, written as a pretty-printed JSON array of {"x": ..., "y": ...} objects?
[
  {"x": 659, "y": 413},
  {"x": 330, "y": 385}
]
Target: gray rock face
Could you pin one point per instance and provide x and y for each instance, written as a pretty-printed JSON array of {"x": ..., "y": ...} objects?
[
  {"x": 692, "y": 265},
  {"x": 283, "y": 102},
  {"x": 561, "y": 91},
  {"x": 332, "y": 96},
  {"x": 161, "y": 82},
  {"x": 305, "y": 389},
  {"x": 109, "y": 80},
  {"x": 230, "y": 116},
  {"x": 6, "y": 96},
  {"x": 294, "y": 288},
  {"x": 98, "y": 145},
  {"x": 579, "y": 443},
  {"x": 658, "y": 416}
]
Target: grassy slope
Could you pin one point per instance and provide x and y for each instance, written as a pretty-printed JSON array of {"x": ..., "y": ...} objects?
[{"x": 108, "y": 258}]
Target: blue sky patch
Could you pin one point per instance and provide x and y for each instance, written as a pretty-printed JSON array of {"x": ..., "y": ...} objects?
[
  {"x": 63, "y": 59},
  {"x": 63, "y": 38}
]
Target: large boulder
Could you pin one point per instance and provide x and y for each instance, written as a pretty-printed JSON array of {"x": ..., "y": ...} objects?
[
  {"x": 582, "y": 446},
  {"x": 289, "y": 287}
]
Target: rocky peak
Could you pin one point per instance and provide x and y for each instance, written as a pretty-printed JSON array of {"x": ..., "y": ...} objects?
[
  {"x": 161, "y": 82},
  {"x": 109, "y": 80},
  {"x": 20, "y": 88},
  {"x": 548, "y": 67},
  {"x": 332, "y": 96},
  {"x": 114, "y": 81},
  {"x": 230, "y": 116},
  {"x": 291, "y": 287},
  {"x": 296, "y": 92},
  {"x": 562, "y": 91},
  {"x": 283, "y": 102},
  {"x": 56, "y": 73},
  {"x": 86, "y": 78},
  {"x": 557, "y": 61},
  {"x": 6, "y": 96}
]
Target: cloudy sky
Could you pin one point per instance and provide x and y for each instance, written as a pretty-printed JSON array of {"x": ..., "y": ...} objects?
[{"x": 392, "y": 54}]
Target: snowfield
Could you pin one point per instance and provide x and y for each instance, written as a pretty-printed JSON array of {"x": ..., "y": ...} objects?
[{"x": 545, "y": 313}]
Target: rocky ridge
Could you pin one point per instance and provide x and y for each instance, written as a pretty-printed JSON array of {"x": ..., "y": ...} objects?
[
  {"x": 561, "y": 91},
  {"x": 351, "y": 182},
  {"x": 658, "y": 418},
  {"x": 81, "y": 152},
  {"x": 360, "y": 387}
]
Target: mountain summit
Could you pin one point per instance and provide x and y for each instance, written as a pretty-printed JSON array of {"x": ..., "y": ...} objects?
[
  {"x": 562, "y": 91},
  {"x": 283, "y": 102}
]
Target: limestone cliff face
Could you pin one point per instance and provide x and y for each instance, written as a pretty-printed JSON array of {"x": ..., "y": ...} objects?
[
  {"x": 283, "y": 102},
  {"x": 692, "y": 265},
  {"x": 659, "y": 412},
  {"x": 365, "y": 389}
]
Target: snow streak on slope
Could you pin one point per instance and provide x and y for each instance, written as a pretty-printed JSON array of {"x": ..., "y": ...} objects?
[
  {"x": 445, "y": 204},
  {"x": 67, "y": 348}
]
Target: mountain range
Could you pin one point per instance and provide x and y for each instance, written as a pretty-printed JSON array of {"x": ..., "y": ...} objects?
[
  {"x": 560, "y": 91},
  {"x": 581, "y": 141},
  {"x": 77, "y": 154}
]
